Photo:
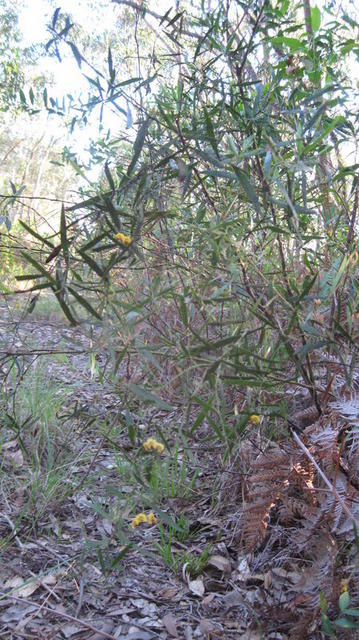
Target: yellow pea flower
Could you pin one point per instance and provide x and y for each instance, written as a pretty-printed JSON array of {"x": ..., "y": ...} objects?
[
  {"x": 151, "y": 518},
  {"x": 353, "y": 258},
  {"x": 141, "y": 517},
  {"x": 153, "y": 445},
  {"x": 343, "y": 586},
  {"x": 121, "y": 237},
  {"x": 254, "y": 419}
]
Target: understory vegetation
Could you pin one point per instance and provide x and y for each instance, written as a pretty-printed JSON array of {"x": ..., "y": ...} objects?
[{"x": 179, "y": 339}]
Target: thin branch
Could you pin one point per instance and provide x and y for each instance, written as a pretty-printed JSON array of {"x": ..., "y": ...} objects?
[
  {"x": 353, "y": 216},
  {"x": 144, "y": 10}
]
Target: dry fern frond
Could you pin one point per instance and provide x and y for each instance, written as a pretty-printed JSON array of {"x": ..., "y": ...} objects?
[
  {"x": 306, "y": 417},
  {"x": 291, "y": 509},
  {"x": 318, "y": 576},
  {"x": 323, "y": 443},
  {"x": 348, "y": 410},
  {"x": 273, "y": 473}
]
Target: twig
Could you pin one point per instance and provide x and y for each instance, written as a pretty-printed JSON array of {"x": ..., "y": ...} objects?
[
  {"x": 60, "y": 614},
  {"x": 11, "y": 524},
  {"x": 81, "y": 599},
  {"x": 46, "y": 587},
  {"x": 13, "y": 528},
  {"x": 353, "y": 216},
  {"x": 144, "y": 10}
]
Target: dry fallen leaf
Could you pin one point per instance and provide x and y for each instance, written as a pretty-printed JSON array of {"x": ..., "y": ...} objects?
[
  {"x": 188, "y": 633},
  {"x": 106, "y": 626},
  {"x": 208, "y": 599},
  {"x": 171, "y": 624},
  {"x": 11, "y": 444},
  {"x": 70, "y": 629},
  {"x": 168, "y": 593},
  {"x": 207, "y": 628},
  {"x": 15, "y": 457},
  {"x": 232, "y": 599},
  {"x": 17, "y": 612},
  {"x": 138, "y": 635},
  {"x": 21, "y": 588},
  {"x": 196, "y": 586},
  {"x": 220, "y": 562}
]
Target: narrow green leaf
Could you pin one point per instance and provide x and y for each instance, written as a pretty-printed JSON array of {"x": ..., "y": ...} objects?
[
  {"x": 165, "y": 16},
  {"x": 77, "y": 55},
  {"x": 202, "y": 415},
  {"x": 293, "y": 43},
  {"x": 352, "y": 612},
  {"x": 345, "y": 623},
  {"x": 327, "y": 626},
  {"x": 121, "y": 555},
  {"x": 92, "y": 264},
  {"x": 38, "y": 266},
  {"x": 267, "y": 163},
  {"x": 84, "y": 303},
  {"x": 344, "y": 601},
  {"x": 42, "y": 285},
  {"x": 137, "y": 147},
  {"x": 177, "y": 16},
  {"x": 247, "y": 186},
  {"x": 66, "y": 309},
  {"x": 210, "y": 131},
  {"x": 36, "y": 235},
  {"x": 31, "y": 276},
  {"x": 316, "y": 18},
  {"x": 147, "y": 396},
  {"x": 183, "y": 310},
  {"x": 111, "y": 69},
  {"x": 22, "y": 97},
  {"x": 109, "y": 177},
  {"x": 63, "y": 235},
  {"x": 93, "y": 242},
  {"x": 129, "y": 119}
]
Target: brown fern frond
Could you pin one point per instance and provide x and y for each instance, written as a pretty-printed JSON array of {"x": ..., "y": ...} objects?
[
  {"x": 305, "y": 417},
  {"x": 323, "y": 443},
  {"x": 318, "y": 576},
  {"x": 291, "y": 509},
  {"x": 269, "y": 472},
  {"x": 347, "y": 409},
  {"x": 274, "y": 474}
]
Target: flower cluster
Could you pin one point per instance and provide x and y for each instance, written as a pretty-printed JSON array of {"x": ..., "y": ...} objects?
[
  {"x": 141, "y": 517},
  {"x": 121, "y": 237},
  {"x": 354, "y": 258},
  {"x": 153, "y": 445},
  {"x": 254, "y": 419}
]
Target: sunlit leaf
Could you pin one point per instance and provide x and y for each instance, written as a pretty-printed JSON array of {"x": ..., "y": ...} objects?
[{"x": 316, "y": 18}]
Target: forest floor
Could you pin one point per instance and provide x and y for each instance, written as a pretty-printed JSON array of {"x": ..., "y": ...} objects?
[
  {"x": 71, "y": 564},
  {"x": 250, "y": 545}
]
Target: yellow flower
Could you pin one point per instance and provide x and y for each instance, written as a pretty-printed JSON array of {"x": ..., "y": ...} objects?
[
  {"x": 121, "y": 237},
  {"x": 254, "y": 419},
  {"x": 141, "y": 517},
  {"x": 151, "y": 518},
  {"x": 343, "y": 586},
  {"x": 152, "y": 445}
]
